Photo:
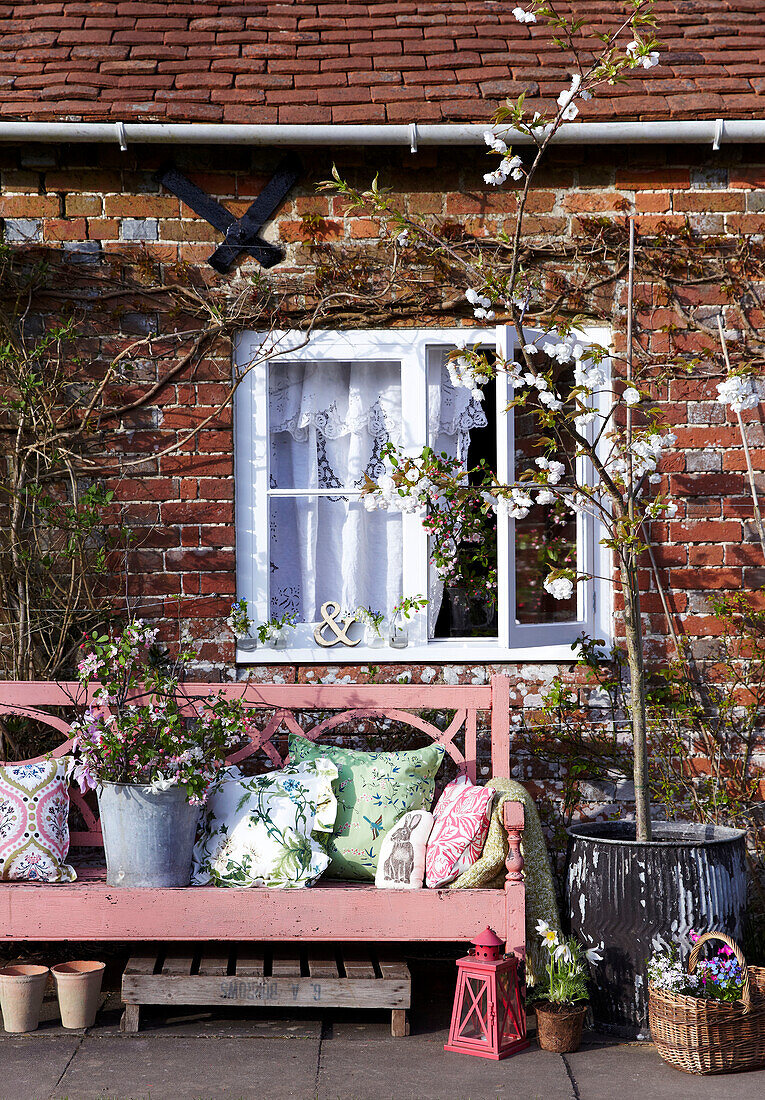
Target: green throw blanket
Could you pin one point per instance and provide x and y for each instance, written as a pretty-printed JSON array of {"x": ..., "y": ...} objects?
[{"x": 489, "y": 869}]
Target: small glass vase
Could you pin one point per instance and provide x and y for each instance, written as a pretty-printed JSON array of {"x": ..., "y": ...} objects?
[
  {"x": 246, "y": 642},
  {"x": 399, "y": 631},
  {"x": 373, "y": 636},
  {"x": 277, "y": 640}
]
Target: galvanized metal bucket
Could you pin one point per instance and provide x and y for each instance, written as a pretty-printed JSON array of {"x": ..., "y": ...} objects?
[
  {"x": 636, "y": 897},
  {"x": 148, "y": 836}
]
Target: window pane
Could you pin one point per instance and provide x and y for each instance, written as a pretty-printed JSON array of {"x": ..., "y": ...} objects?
[
  {"x": 331, "y": 548},
  {"x": 464, "y": 428},
  {"x": 328, "y": 421},
  {"x": 546, "y": 538}
]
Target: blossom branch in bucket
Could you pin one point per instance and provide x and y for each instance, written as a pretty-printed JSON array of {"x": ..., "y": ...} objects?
[{"x": 139, "y": 728}]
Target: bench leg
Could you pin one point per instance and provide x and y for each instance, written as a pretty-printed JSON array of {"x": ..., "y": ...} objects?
[
  {"x": 131, "y": 1019},
  {"x": 399, "y": 1023}
]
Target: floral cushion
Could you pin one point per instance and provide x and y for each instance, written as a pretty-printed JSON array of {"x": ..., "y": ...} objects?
[
  {"x": 374, "y": 789},
  {"x": 34, "y": 822},
  {"x": 266, "y": 830},
  {"x": 461, "y": 823},
  {"x": 401, "y": 865}
]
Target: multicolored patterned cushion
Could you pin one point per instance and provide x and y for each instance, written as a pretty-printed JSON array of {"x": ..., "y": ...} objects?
[
  {"x": 34, "y": 822},
  {"x": 266, "y": 830},
  {"x": 374, "y": 790},
  {"x": 462, "y": 817}
]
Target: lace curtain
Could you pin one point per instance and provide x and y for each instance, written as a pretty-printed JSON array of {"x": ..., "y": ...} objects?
[{"x": 328, "y": 422}]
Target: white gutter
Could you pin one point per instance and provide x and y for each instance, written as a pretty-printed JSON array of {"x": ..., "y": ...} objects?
[{"x": 710, "y": 132}]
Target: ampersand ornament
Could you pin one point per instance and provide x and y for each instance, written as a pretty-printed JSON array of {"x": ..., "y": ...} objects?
[{"x": 330, "y": 613}]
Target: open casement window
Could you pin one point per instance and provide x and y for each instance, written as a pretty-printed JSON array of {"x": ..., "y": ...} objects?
[{"x": 311, "y": 422}]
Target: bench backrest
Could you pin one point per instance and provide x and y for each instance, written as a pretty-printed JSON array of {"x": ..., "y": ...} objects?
[{"x": 281, "y": 703}]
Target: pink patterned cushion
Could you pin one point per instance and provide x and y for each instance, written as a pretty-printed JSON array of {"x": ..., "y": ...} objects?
[
  {"x": 461, "y": 823},
  {"x": 34, "y": 822}
]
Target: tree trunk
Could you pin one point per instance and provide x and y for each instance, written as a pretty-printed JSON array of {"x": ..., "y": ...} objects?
[{"x": 634, "y": 639}]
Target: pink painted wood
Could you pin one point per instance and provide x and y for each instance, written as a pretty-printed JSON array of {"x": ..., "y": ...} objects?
[{"x": 90, "y": 910}]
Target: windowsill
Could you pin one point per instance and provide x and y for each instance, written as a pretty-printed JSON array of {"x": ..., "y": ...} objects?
[{"x": 469, "y": 651}]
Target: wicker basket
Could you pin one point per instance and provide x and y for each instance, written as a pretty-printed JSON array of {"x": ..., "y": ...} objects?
[{"x": 700, "y": 1036}]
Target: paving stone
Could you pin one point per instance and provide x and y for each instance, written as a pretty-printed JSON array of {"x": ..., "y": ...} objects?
[
  {"x": 32, "y": 1066},
  {"x": 415, "y": 1069},
  {"x": 626, "y": 1069},
  {"x": 180, "y": 1068}
]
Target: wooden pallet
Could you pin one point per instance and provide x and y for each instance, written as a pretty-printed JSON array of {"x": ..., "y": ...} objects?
[{"x": 282, "y": 975}]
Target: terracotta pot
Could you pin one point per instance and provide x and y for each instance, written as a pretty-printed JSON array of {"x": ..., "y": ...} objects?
[
  {"x": 22, "y": 988},
  {"x": 79, "y": 986},
  {"x": 559, "y": 1028}
]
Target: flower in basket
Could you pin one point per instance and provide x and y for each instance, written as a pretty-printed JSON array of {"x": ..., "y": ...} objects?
[
  {"x": 716, "y": 978},
  {"x": 139, "y": 728}
]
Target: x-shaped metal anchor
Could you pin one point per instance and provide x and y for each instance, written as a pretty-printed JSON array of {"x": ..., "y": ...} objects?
[{"x": 240, "y": 234}]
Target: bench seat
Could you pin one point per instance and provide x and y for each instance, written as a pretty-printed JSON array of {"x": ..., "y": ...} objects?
[{"x": 90, "y": 910}]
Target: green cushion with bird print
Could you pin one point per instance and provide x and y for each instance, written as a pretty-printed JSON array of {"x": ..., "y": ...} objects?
[{"x": 374, "y": 790}]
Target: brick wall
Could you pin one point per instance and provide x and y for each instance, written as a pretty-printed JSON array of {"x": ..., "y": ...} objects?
[{"x": 96, "y": 202}]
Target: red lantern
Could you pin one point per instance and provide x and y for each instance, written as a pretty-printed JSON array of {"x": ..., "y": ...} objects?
[{"x": 489, "y": 1016}]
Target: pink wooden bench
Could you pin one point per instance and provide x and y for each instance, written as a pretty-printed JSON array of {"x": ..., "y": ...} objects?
[{"x": 330, "y": 911}]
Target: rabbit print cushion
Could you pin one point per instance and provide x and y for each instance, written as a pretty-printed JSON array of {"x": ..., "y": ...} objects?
[
  {"x": 401, "y": 865},
  {"x": 461, "y": 822}
]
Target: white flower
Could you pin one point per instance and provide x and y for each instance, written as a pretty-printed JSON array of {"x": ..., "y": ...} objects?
[
  {"x": 403, "y": 238},
  {"x": 545, "y": 497},
  {"x": 670, "y": 511},
  {"x": 561, "y": 588},
  {"x": 547, "y": 934},
  {"x": 594, "y": 954},
  {"x": 159, "y": 783},
  {"x": 646, "y": 59},
  {"x": 481, "y": 304},
  {"x": 739, "y": 392},
  {"x": 583, "y": 419},
  {"x": 588, "y": 378},
  {"x": 495, "y": 143},
  {"x": 563, "y": 952},
  {"x": 566, "y": 99},
  {"x": 495, "y": 178},
  {"x": 551, "y": 400},
  {"x": 631, "y": 396},
  {"x": 524, "y": 16},
  {"x": 555, "y": 470},
  {"x": 512, "y": 166},
  {"x": 655, "y": 479},
  {"x": 530, "y": 349}
]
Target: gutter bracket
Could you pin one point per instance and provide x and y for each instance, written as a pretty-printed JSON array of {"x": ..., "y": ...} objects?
[
  {"x": 121, "y": 135},
  {"x": 719, "y": 127},
  {"x": 412, "y": 137}
]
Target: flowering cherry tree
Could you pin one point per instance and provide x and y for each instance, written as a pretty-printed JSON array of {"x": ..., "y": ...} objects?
[{"x": 599, "y": 428}]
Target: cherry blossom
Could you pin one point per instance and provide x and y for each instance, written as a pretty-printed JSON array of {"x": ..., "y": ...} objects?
[{"x": 738, "y": 392}]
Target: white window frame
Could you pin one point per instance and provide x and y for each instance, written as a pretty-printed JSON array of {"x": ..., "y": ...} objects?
[{"x": 410, "y": 347}]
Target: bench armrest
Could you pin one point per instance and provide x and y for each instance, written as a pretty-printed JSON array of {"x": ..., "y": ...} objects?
[{"x": 512, "y": 815}]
